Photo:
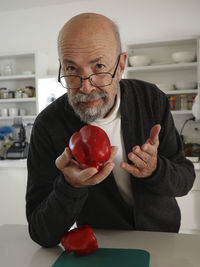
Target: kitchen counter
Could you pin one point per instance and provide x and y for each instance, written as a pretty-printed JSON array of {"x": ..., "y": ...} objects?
[
  {"x": 13, "y": 163},
  {"x": 21, "y": 163},
  {"x": 166, "y": 249}
]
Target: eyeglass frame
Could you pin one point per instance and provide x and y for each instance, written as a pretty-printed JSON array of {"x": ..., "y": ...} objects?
[{"x": 88, "y": 78}]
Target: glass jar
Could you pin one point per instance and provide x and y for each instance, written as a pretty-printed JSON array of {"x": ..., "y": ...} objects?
[
  {"x": 11, "y": 94},
  {"x": 18, "y": 93},
  {"x": 8, "y": 70},
  {"x": 172, "y": 102},
  {"x": 184, "y": 102},
  {"x": 3, "y": 93}
]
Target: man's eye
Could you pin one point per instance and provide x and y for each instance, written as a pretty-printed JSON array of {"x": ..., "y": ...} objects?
[
  {"x": 70, "y": 68},
  {"x": 100, "y": 66}
]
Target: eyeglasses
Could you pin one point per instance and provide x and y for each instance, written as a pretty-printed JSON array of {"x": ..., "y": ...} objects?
[{"x": 100, "y": 79}]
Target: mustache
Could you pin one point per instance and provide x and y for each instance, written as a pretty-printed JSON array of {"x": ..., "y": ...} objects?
[{"x": 80, "y": 97}]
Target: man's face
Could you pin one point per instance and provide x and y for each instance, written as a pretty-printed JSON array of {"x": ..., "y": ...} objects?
[{"x": 84, "y": 53}]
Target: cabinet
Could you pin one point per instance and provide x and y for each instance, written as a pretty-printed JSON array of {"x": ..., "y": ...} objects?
[
  {"x": 18, "y": 70},
  {"x": 190, "y": 205},
  {"x": 164, "y": 72},
  {"x": 13, "y": 180}
]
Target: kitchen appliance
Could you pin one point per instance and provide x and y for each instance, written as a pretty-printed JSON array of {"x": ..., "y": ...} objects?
[{"x": 19, "y": 148}]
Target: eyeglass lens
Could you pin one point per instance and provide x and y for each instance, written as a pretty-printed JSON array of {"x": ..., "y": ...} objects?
[{"x": 98, "y": 79}]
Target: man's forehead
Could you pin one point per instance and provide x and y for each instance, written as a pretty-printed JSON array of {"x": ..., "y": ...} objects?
[{"x": 66, "y": 60}]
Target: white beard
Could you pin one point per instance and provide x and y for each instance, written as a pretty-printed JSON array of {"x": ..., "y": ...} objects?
[{"x": 90, "y": 114}]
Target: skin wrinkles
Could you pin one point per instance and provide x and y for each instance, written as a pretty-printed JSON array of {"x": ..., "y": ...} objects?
[{"x": 81, "y": 42}]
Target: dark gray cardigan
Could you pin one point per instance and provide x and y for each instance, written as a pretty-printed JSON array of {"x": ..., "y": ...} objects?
[{"x": 53, "y": 205}]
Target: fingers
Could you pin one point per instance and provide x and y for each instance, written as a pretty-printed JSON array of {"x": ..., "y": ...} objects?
[
  {"x": 63, "y": 159},
  {"x": 154, "y": 135},
  {"x": 87, "y": 177},
  {"x": 144, "y": 158},
  {"x": 103, "y": 174},
  {"x": 132, "y": 169},
  {"x": 78, "y": 177}
]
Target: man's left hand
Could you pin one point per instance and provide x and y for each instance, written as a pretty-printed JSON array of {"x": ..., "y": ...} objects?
[{"x": 144, "y": 158}]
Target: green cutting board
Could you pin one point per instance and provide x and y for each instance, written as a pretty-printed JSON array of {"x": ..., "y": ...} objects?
[{"x": 106, "y": 257}]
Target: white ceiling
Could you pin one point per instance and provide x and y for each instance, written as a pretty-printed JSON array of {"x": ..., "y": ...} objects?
[{"x": 10, "y": 5}]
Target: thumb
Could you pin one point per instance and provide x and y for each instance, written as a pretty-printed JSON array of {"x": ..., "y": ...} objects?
[
  {"x": 63, "y": 160},
  {"x": 154, "y": 134}
]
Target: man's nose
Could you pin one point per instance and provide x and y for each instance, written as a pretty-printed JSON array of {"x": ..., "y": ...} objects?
[{"x": 86, "y": 87}]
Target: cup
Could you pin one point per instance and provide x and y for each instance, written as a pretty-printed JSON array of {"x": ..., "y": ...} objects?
[
  {"x": 8, "y": 69},
  {"x": 13, "y": 112},
  {"x": 4, "y": 112},
  {"x": 22, "y": 112}
]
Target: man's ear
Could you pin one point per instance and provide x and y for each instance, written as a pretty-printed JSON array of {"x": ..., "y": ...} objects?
[{"x": 122, "y": 64}]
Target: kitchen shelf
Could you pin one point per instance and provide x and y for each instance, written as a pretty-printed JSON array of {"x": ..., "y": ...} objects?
[
  {"x": 181, "y": 112},
  {"x": 181, "y": 66},
  {"x": 17, "y": 77},
  {"x": 17, "y": 100},
  {"x": 28, "y": 117},
  {"x": 180, "y": 92},
  {"x": 26, "y": 69}
]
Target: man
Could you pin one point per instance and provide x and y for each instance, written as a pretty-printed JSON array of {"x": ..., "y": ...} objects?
[{"x": 137, "y": 187}]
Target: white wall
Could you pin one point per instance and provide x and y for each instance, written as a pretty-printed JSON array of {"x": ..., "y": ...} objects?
[{"x": 139, "y": 20}]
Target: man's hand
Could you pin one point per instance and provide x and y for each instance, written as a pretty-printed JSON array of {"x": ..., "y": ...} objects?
[
  {"x": 82, "y": 178},
  {"x": 144, "y": 158}
]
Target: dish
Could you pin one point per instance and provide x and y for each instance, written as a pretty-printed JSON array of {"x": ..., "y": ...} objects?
[
  {"x": 165, "y": 86},
  {"x": 185, "y": 85},
  {"x": 184, "y": 56},
  {"x": 139, "y": 60}
]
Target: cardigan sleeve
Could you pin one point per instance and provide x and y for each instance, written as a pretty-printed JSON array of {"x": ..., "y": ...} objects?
[
  {"x": 52, "y": 205},
  {"x": 175, "y": 174}
]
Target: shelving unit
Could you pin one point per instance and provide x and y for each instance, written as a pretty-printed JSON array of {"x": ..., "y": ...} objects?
[
  {"x": 163, "y": 70},
  {"x": 35, "y": 64}
]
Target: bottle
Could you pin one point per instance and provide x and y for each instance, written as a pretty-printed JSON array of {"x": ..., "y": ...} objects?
[
  {"x": 184, "y": 102},
  {"x": 172, "y": 102},
  {"x": 196, "y": 142},
  {"x": 190, "y": 102}
]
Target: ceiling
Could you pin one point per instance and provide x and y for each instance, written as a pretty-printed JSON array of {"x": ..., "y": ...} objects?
[{"x": 10, "y": 5}]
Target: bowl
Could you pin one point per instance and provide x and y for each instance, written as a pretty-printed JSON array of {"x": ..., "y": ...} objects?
[
  {"x": 165, "y": 86},
  {"x": 184, "y": 56},
  {"x": 185, "y": 85},
  {"x": 139, "y": 60}
]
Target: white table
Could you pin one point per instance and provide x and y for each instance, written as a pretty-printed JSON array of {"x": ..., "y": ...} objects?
[{"x": 166, "y": 249}]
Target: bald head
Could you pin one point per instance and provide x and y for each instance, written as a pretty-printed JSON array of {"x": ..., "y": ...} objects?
[
  {"x": 91, "y": 62},
  {"x": 88, "y": 26}
]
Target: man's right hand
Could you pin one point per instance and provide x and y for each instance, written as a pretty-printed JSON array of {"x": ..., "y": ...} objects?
[{"x": 78, "y": 177}]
